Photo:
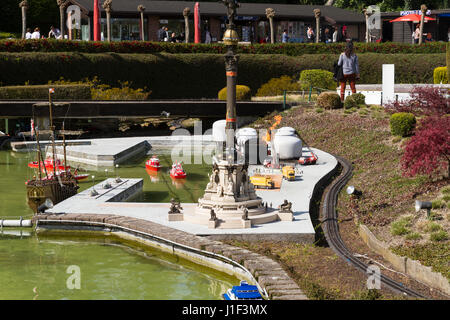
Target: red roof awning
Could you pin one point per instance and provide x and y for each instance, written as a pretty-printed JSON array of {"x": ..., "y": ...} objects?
[{"x": 411, "y": 17}]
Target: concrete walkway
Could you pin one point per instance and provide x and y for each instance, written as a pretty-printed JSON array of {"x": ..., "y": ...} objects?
[{"x": 298, "y": 192}]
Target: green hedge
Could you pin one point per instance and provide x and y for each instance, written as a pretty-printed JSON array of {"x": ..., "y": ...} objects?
[
  {"x": 197, "y": 75},
  {"x": 402, "y": 124},
  {"x": 62, "y": 92},
  {"x": 329, "y": 100},
  {"x": 291, "y": 49}
]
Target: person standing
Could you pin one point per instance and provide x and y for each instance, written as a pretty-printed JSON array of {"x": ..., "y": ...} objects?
[
  {"x": 285, "y": 37},
  {"x": 310, "y": 34},
  {"x": 348, "y": 60},
  {"x": 417, "y": 34},
  {"x": 52, "y": 33},
  {"x": 335, "y": 34},
  {"x": 161, "y": 34}
]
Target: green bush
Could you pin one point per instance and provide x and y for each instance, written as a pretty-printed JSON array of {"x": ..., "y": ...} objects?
[
  {"x": 402, "y": 124},
  {"x": 440, "y": 75},
  {"x": 168, "y": 74},
  {"x": 242, "y": 93},
  {"x": 329, "y": 100},
  {"x": 317, "y": 78},
  {"x": 34, "y": 92},
  {"x": 359, "y": 98},
  {"x": 276, "y": 86},
  {"x": 350, "y": 102}
]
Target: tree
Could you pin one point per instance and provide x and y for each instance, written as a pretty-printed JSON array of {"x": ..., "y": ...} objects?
[
  {"x": 24, "y": 6},
  {"x": 428, "y": 151},
  {"x": 186, "y": 12},
  {"x": 107, "y": 5},
  {"x": 270, "y": 13},
  {"x": 141, "y": 10},
  {"x": 62, "y": 6}
]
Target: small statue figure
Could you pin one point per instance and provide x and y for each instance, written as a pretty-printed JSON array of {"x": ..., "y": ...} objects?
[
  {"x": 245, "y": 214},
  {"x": 220, "y": 191},
  {"x": 213, "y": 215},
  {"x": 230, "y": 185},
  {"x": 285, "y": 206},
  {"x": 175, "y": 206},
  {"x": 242, "y": 190}
]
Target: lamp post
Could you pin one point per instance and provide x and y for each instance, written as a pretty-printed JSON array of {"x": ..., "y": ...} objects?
[{"x": 231, "y": 40}]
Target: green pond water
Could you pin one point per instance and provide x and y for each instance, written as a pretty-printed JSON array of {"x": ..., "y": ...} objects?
[{"x": 37, "y": 265}]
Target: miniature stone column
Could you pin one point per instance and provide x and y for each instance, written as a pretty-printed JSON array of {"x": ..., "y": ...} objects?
[
  {"x": 186, "y": 12},
  {"x": 107, "y": 5},
  {"x": 270, "y": 13}
]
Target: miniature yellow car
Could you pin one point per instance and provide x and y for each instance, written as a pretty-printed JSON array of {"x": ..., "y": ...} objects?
[
  {"x": 262, "y": 182},
  {"x": 288, "y": 173}
]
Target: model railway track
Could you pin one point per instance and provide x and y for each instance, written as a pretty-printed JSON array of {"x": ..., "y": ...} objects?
[{"x": 331, "y": 229}]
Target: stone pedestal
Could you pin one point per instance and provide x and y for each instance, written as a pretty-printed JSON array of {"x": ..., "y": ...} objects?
[
  {"x": 175, "y": 217},
  {"x": 285, "y": 216},
  {"x": 246, "y": 224},
  {"x": 212, "y": 224}
]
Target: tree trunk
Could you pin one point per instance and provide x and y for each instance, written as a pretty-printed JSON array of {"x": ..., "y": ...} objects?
[
  {"x": 108, "y": 26},
  {"x": 142, "y": 26},
  {"x": 186, "y": 29},
  {"x": 61, "y": 21},
  {"x": 317, "y": 29},
  {"x": 272, "y": 35},
  {"x": 24, "y": 22},
  {"x": 422, "y": 18}
]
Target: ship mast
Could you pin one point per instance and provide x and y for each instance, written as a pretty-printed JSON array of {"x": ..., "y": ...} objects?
[
  {"x": 52, "y": 129},
  {"x": 38, "y": 147}
]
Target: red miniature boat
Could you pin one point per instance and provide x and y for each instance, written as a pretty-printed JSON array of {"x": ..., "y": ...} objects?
[
  {"x": 48, "y": 163},
  {"x": 177, "y": 171},
  {"x": 308, "y": 160},
  {"x": 153, "y": 164}
]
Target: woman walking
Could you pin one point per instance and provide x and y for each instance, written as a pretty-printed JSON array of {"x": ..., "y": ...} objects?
[{"x": 350, "y": 69}]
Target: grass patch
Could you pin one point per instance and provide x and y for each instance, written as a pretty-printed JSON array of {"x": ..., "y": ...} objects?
[
  {"x": 440, "y": 235},
  {"x": 434, "y": 255},
  {"x": 319, "y": 110},
  {"x": 413, "y": 236},
  {"x": 401, "y": 226}
]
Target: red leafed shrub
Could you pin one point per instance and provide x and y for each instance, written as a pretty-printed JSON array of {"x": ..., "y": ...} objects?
[
  {"x": 425, "y": 101},
  {"x": 428, "y": 151}
]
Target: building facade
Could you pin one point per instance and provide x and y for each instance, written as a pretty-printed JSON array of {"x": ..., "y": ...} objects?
[{"x": 252, "y": 23}]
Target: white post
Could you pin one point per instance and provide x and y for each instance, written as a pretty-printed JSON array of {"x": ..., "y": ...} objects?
[{"x": 387, "y": 88}]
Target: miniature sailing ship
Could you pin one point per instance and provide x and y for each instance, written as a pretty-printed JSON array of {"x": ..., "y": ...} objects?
[
  {"x": 177, "y": 171},
  {"x": 57, "y": 185},
  {"x": 48, "y": 163},
  {"x": 153, "y": 164}
]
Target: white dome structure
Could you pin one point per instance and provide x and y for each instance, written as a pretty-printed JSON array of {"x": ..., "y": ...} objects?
[
  {"x": 245, "y": 134},
  {"x": 287, "y": 144},
  {"x": 218, "y": 131}
]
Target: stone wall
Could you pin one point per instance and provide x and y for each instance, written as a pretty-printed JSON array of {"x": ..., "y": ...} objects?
[{"x": 405, "y": 265}]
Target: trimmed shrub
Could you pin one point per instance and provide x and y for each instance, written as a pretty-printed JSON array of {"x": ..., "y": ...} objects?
[
  {"x": 62, "y": 92},
  {"x": 359, "y": 98},
  {"x": 440, "y": 75},
  {"x": 402, "y": 124},
  {"x": 167, "y": 74},
  {"x": 350, "y": 102},
  {"x": 317, "y": 78},
  {"x": 276, "y": 86},
  {"x": 242, "y": 93},
  {"x": 329, "y": 100}
]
